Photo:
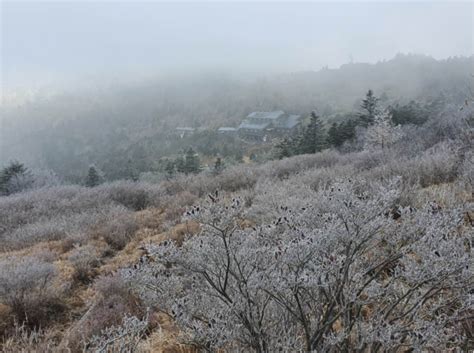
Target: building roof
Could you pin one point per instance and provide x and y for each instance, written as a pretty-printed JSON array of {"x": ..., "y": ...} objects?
[
  {"x": 266, "y": 115},
  {"x": 227, "y": 129},
  {"x": 291, "y": 122},
  {"x": 249, "y": 126}
]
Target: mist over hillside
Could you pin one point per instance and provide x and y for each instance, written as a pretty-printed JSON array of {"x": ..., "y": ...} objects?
[
  {"x": 236, "y": 176},
  {"x": 68, "y": 132}
]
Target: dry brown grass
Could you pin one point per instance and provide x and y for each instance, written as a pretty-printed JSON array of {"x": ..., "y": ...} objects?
[
  {"x": 165, "y": 339},
  {"x": 90, "y": 309},
  {"x": 150, "y": 218},
  {"x": 84, "y": 303},
  {"x": 445, "y": 195}
]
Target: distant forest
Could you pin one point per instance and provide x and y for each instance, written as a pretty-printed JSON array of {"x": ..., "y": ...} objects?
[{"x": 127, "y": 131}]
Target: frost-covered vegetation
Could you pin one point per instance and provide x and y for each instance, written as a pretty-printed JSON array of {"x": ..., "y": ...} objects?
[
  {"x": 130, "y": 131},
  {"x": 367, "y": 250}
]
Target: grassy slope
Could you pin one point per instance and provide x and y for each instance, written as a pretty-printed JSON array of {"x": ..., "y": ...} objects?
[{"x": 432, "y": 175}]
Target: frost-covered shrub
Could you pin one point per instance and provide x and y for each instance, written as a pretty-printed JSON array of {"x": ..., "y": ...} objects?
[
  {"x": 467, "y": 171},
  {"x": 176, "y": 205},
  {"x": 72, "y": 226},
  {"x": 283, "y": 169},
  {"x": 273, "y": 196},
  {"x": 68, "y": 212},
  {"x": 27, "y": 286},
  {"x": 135, "y": 196},
  {"x": 319, "y": 179},
  {"x": 236, "y": 178},
  {"x": 435, "y": 166},
  {"x": 334, "y": 270},
  {"x": 85, "y": 259},
  {"x": 117, "y": 229},
  {"x": 113, "y": 299},
  {"x": 367, "y": 160},
  {"x": 45, "y": 179},
  {"x": 450, "y": 125},
  {"x": 122, "y": 338}
]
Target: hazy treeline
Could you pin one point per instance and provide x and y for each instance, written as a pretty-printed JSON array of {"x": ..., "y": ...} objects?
[{"x": 126, "y": 128}]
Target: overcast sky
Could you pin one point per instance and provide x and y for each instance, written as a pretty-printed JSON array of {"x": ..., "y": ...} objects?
[{"x": 43, "y": 42}]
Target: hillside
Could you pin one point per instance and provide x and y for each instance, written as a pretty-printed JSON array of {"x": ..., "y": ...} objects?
[
  {"x": 369, "y": 250},
  {"x": 109, "y": 125}
]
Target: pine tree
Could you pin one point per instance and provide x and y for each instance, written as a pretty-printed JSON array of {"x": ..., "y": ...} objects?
[
  {"x": 131, "y": 173},
  {"x": 170, "y": 168},
  {"x": 334, "y": 135},
  {"x": 347, "y": 130},
  {"x": 180, "y": 164},
  {"x": 369, "y": 109},
  {"x": 411, "y": 113},
  {"x": 313, "y": 138},
  {"x": 192, "y": 164},
  {"x": 218, "y": 166},
  {"x": 93, "y": 177},
  {"x": 285, "y": 148},
  {"x": 14, "y": 178}
]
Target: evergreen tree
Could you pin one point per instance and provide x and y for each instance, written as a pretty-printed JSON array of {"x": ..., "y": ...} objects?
[
  {"x": 334, "y": 137},
  {"x": 14, "y": 178},
  {"x": 285, "y": 148},
  {"x": 170, "y": 168},
  {"x": 131, "y": 173},
  {"x": 313, "y": 138},
  {"x": 369, "y": 109},
  {"x": 411, "y": 113},
  {"x": 93, "y": 178},
  {"x": 139, "y": 160},
  {"x": 192, "y": 164},
  {"x": 218, "y": 166},
  {"x": 180, "y": 164},
  {"x": 347, "y": 130}
]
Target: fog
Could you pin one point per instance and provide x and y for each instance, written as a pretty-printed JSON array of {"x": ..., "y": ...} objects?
[
  {"x": 107, "y": 82},
  {"x": 52, "y": 43},
  {"x": 236, "y": 176}
]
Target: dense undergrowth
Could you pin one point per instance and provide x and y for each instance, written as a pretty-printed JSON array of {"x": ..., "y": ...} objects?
[{"x": 368, "y": 250}]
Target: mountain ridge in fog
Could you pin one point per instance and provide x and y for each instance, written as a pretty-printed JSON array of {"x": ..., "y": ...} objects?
[{"x": 85, "y": 127}]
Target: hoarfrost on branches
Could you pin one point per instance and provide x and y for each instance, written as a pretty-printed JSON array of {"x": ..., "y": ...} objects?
[
  {"x": 351, "y": 271},
  {"x": 382, "y": 133},
  {"x": 124, "y": 338}
]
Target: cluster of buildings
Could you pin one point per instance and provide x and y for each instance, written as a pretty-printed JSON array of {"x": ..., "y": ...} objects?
[{"x": 259, "y": 126}]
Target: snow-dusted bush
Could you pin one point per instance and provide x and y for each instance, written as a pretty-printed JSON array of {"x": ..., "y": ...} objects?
[
  {"x": 340, "y": 268},
  {"x": 122, "y": 338},
  {"x": 134, "y": 196},
  {"x": 115, "y": 221},
  {"x": 27, "y": 287},
  {"x": 467, "y": 171},
  {"x": 70, "y": 212},
  {"x": 112, "y": 300},
  {"x": 45, "y": 179},
  {"x": 451, "y": 124},
  {"x": 117, "y": 229},
  {"x": 85, "y": 259},
  {"x": 436, "y": 165}
]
